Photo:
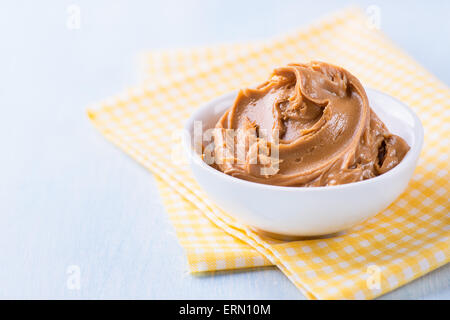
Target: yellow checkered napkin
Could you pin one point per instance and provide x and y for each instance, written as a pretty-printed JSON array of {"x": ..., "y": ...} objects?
[{"x": 402, "y": 243}]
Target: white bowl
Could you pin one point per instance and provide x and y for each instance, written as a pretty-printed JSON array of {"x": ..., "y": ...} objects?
[{"x": 303, "y": 211}]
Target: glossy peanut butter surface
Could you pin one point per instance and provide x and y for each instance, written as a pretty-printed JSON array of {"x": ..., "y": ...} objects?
[{"x": 319, "y": 118}]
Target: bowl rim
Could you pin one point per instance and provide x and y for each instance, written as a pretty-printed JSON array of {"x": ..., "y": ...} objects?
[{"x": 410, "y": 158}]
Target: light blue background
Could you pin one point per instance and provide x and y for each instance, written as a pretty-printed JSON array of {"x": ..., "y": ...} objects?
[{"x": 68, "y": 197}]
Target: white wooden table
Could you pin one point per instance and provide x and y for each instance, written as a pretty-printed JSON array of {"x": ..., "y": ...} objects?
[{"x": 69, "y": 198}]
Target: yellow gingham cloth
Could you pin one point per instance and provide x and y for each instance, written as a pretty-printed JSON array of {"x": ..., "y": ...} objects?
[{"x": 400, "y": 244}]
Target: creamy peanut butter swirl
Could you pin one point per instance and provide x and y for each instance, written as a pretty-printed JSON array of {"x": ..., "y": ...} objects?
[{"x": 320, "y": 116}]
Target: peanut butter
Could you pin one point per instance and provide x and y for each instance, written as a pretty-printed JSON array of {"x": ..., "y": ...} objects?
[{"x": 319, "y": 116}]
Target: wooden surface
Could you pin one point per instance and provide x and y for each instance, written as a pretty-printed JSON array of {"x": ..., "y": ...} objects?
[{"x": 69, "y": 198}]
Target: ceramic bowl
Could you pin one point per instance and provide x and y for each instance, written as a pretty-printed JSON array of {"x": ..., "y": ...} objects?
[{"x": 308, "y": 211}]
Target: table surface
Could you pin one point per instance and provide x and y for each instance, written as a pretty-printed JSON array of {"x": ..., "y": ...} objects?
[{"x": 69, "y": 198}]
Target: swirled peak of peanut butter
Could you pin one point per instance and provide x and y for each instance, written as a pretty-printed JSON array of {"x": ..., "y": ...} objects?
[{"x": 319, "y": 118}]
